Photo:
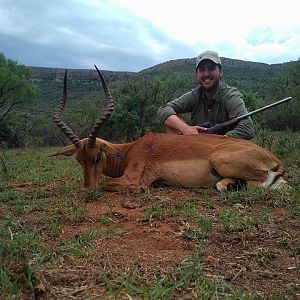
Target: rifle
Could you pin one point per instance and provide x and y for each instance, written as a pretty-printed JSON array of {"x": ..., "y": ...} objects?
[{"x": 232, "y": 122}]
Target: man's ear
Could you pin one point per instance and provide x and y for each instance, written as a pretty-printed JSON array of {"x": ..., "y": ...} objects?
[
  {"x": 221, "y": 71},
  {"x": 66, "y": 151}
]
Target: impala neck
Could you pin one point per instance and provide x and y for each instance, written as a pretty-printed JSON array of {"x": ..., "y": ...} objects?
[{"x": 113, "y": 166}]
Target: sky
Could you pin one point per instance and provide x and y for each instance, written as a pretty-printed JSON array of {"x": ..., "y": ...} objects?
[{"x": 132, "y": 35}]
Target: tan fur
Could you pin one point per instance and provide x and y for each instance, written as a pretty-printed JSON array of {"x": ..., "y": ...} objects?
[{"x": 190, "y": 161}]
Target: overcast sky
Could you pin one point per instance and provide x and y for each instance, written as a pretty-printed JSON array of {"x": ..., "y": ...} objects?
[{"x": 131, "y": 35}]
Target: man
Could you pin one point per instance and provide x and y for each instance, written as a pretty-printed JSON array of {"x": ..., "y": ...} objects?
[{"x": 211, "y": 103}]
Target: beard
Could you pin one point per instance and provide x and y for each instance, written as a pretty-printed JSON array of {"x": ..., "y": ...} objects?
[{"x": 210, "y": 83}]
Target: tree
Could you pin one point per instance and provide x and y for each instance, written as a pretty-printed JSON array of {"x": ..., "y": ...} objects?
[
  {"x": 137, "y": 102},
  {"x": 287, "y": 115},
  {"x": 83, "y": 114},
  {"x": 15, "y": 90},
  {"x": 293, "y": 89}
]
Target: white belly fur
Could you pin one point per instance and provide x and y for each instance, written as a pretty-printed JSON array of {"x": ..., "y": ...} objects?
[{"x": 188, "y": 173}]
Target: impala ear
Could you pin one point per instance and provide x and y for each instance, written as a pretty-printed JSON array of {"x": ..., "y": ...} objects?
[
  {"x": 66, "y": 151},
  {"x": 110, "y": 150}
]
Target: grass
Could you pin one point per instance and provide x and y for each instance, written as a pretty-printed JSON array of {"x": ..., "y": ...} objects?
[
  {"x": 19, "y": 166},
  {"x": 160, "y": 210},
  {"x": 189, "y": 274},
  {"x": 233, "y": 220},
  {"x": 51, "y": 233},
  {"x": 105, "y": 219}
]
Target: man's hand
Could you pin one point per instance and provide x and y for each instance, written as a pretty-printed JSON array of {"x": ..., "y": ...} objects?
[
  {"x": 193, "y": 130},
  {"x": 176, "y": 125}
]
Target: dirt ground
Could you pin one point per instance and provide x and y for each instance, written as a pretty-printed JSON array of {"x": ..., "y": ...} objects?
[{"x": 263, "y": 258}]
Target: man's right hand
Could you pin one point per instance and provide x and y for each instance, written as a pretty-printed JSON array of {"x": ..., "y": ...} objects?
[
  {"x": 176, "y": 125},
  {"x": 193, "y": 130}
]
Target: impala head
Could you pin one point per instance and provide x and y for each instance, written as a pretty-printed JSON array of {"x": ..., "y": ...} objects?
[{"x": 90, "y": 152}]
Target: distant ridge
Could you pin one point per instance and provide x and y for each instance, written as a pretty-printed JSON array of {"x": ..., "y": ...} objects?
[
  {"x": 83, "y": 75},
  {"x": 245, "y": 75},
  {"x": 226, "y": 62},
  {"x": 188, "y": 64}
]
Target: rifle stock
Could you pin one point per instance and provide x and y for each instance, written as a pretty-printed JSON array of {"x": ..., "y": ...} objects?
[{"x": 232, "y": 122}]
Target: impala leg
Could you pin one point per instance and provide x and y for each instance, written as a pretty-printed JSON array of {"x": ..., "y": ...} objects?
[
  {"x": 121, "y": 184},
  {"x": 242, "y": 163},
  {"x": 222, "y": 184}
]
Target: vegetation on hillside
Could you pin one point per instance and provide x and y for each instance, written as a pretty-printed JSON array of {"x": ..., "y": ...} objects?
[
  {"x": 15, "y": 93},
  {"x": 137, "y": 98}
]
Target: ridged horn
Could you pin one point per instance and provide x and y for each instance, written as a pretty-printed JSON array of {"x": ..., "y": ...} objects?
[
  {"x": 105, "y": 115},
  {"x": 57, "y": 117}
]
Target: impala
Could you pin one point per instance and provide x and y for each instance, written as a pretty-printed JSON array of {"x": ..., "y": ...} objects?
[{"x": 203, "y": 160}]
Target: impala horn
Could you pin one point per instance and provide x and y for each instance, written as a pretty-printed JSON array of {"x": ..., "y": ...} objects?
[
  {"x": 57, "y": 117},
  {"x": 105, "y": 115}
]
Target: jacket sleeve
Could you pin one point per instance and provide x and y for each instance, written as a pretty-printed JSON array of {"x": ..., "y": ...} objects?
[
  {"x": 183, "y": 104},
  {"x": 235, "y": 107}
]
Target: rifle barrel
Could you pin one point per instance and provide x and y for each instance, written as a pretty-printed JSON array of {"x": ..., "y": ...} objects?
[
  {"x": 264, "y": 108},
  {"x": 232, "y": 122}
]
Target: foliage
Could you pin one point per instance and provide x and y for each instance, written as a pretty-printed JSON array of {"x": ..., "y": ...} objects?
[
  {"x": 256, "y": 80},
  {"x": 15, "y": 91},
  {"x": 137, "y": 101},
  {"x": 287, "y": 115},
  {"x": 251, "y": 100}
]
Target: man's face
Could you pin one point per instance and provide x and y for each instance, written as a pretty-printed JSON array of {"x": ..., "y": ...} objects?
[{"x": 208, "y": 75}]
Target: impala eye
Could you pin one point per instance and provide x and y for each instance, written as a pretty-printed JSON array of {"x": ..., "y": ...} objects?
[{"x": 97, "y": 158}]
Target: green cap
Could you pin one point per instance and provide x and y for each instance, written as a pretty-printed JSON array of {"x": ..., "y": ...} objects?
[{"x": 211, "y": 55}]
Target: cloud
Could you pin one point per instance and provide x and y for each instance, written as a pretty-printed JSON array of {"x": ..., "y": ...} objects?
[
  {"x": 273, "y": 44},
  {"x": 71, "y": 34},
  {"x": 129, "y": 35}
]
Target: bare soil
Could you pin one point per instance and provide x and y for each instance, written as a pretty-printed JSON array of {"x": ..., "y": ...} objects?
[{"x": 262, "y": 258}]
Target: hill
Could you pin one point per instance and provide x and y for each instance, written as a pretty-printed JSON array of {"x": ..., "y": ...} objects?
[
  {"x": 246, "y": 75},
  {"x": 42, "y": 74},
  {"x": 81, "y": 82}
]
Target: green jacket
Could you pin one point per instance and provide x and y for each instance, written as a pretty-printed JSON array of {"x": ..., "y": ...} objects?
[{"x": 226, "y": 104}]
